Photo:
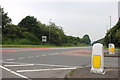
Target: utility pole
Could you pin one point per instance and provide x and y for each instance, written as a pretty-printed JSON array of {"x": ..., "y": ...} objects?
[
  {"x": 110, "y": 21},
  {"x": 110, "y": 29},
  {"x": 111, "y": 45},
  {"x": 49, "y": 29}
]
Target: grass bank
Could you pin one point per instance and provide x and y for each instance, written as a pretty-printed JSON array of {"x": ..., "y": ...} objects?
[
  {"x": 64, "y": 45},
  {"x": 28, "y": 46},
  {"x": 117, "y": 49}
]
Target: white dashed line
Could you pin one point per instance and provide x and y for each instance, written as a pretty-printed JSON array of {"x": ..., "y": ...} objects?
[
  {"x": 1, "y": 60},
  {"x": 33, "y": 56},
  {"x": 56, "y": 53},
  {"x": 43, "y": 55},
  {"x": 51, "y": 54},
  {"x": 21, "y": 58},
  {"x": 36, "y": 56},
  {"x": 30, "y": 57},
  {"x": 45, "y": 69},
  {"x": 10, "y": 59}
]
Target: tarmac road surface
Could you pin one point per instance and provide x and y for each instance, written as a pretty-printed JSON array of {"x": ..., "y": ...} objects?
[{"x": 46, "y": 62}]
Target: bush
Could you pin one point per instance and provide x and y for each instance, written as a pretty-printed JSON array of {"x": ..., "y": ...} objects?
[{"x": 30, "y": 37}]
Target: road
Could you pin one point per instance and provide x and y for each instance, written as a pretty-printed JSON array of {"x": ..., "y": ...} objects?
[{"x": 46, "y": 62}]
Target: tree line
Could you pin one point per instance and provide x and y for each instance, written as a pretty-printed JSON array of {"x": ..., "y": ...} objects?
[
  {"x": 112, "y": 36},
  {"x": 29, "y": 31}
]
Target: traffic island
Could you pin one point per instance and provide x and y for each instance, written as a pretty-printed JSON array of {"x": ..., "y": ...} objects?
[
  {"x": 84, "y": 74},
  {"x": 117, "y": 54}
]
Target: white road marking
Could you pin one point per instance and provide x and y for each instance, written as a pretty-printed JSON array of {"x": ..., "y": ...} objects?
[
  {"x": 19, "y": 65},
  {"x": 10, "y": 59},
  {"x": 55, "y": 65},
  {"x": 22, "y": 76},
  {"x": 21, "y": 58},
  {"x": 51, "y": 54},
  {"x": 44, "y": 55},
  {"x": 1, "y": 60},
  {"x": 36, "y": 56},
  {"x": 26, "y": 64},
  {"x": 30, "y": 57},
  {"x": 45, "y": 69},
  {"x": 56, "y": 53}
]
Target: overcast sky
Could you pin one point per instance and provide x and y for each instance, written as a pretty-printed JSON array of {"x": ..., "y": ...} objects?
[{"x": 77, "y": 17}]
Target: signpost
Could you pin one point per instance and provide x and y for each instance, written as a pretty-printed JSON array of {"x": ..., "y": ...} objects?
[
  {"x": 44, "y": 38},
  {"x": 111, "y": 48},
  {"x": 97, "y": 60}
]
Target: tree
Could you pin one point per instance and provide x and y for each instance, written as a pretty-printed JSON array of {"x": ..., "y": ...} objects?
[
  {"x": 12, "y": 31},
  {"x": 99, "y": 41},
  {"x": 86, "y": 39},
  {"x": 32, "y": 25},
  {"x": 56, "y": 34},
  {"x": 28, "y": 22},
  {"x": 30, "y": 31},
  {"x": 5, "y": 19},
  {"x": 113, "y": 35}
]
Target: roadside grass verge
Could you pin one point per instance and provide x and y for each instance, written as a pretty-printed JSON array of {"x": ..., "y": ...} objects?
[
  {"x": 117, "y": 49},
  {"x": 45, "y": 45},
  {"x": 28, "y": 46}
]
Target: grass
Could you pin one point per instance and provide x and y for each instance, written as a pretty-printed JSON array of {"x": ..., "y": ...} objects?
[
  {"x": 105, "y": 48},
  {"x": 70, "y": 45},
  {"x": 46, "y": 45},
  {"x": 28, "y": 46}
]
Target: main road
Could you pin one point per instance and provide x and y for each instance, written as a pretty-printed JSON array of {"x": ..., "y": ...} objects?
[{"x": 51, "y": 62}]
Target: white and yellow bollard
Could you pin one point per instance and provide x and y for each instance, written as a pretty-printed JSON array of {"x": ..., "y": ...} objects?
[
  {"x": 111, "y": 48},
  {"x": 97, "y": 59}
]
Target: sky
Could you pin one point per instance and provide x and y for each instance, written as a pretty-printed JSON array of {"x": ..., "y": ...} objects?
[{"x": 76, "y": 17}]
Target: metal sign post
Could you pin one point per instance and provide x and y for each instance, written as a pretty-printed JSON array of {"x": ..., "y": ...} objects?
[{"x": 97, "y": 60}]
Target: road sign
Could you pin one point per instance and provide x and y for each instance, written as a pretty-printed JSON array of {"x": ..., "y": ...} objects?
[
  {"x": 111, "y": 48},
  {"x": 44, "y": 38},
  {"x": 97, "y": 60}
]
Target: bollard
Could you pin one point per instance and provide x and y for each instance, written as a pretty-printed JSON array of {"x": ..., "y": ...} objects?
[
  {"x": 111, "y": 48},
  {"x": 97, "y": 60}
]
